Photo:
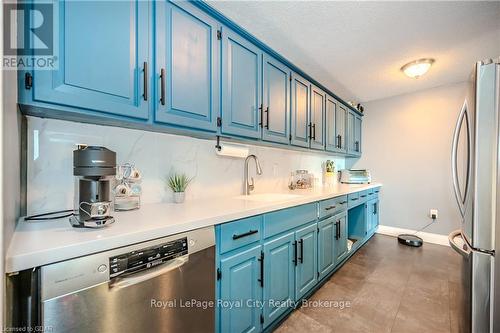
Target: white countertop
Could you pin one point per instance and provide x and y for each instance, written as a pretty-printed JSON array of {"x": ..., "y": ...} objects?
[{"x": 43, "y": 242}]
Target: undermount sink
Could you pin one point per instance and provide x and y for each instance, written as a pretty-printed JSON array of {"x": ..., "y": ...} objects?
[{"x": 269, "y": 197}]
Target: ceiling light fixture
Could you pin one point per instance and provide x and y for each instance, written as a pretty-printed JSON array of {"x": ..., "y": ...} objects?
[{"x": 417, "y": 68}]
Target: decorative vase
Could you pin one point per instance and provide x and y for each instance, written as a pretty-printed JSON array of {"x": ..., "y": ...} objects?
[
  {"x": 329, "y": 178},
  {"x": 179, "y": 197}
]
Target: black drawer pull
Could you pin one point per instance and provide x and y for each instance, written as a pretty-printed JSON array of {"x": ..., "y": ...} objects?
[
  {"x": 343, "y": 202},
  {"x": 301, "y": 242},
  {"x": 248, "y": 233},
  {"x": 354, "y": 199},
  {"x": 330, "y": 207},
  {"x": 337, "y": 226},
  {"x": 261, "y": 259},
  {"x": 295, "y": 253},
  {"x": 363, "y": 196},
  {"x": 145, "y": 82},
  {"x": 162, "y": 86}
]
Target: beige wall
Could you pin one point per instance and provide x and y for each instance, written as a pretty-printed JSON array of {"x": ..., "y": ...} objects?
[{"x": 407, "y": 146}]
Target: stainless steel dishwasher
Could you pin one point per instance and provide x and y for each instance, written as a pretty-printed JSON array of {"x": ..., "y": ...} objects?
[{"x": 164, "y": 285}]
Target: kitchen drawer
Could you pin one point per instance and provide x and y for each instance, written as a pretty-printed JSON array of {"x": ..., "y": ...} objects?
[
  {"x": 353, "y": 199},
  {"x": 332, "y": 206},
  {"x": 240, "y": 233},
  {"x": 290, "y": 218},
  {"x": 363, "y": 196}
]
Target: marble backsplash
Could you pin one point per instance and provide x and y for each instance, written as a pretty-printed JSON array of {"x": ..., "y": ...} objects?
[{"x": 50, "y": 164}]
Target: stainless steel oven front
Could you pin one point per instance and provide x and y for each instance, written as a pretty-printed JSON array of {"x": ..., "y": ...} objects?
[{"x": 164, "y": 285}]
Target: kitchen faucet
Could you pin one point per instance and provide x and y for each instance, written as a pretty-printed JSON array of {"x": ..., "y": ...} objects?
[{"x": 250, "y": 186}]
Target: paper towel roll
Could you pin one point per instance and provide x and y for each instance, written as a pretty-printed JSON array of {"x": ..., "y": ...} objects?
[{"x": 229, "y": 150}]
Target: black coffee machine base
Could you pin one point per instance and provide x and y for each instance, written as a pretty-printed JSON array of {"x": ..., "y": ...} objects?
[{"x": 91, "y": 223}]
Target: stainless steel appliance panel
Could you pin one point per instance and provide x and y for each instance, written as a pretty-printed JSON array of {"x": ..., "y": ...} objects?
[{"x": 80, "y": 296}]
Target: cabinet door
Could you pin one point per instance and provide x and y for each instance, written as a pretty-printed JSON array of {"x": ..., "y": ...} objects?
[
  {"x": 306, "y": 272},
  {"x": 241, "y": 86},
  {"x": 376, "y": 214},
  {"x": 317, "y": 118},
  {"x": 331, "y": 143},
  {"x": 300, "y": 111},
  {"x": 101, "y": 60},
  {"x": 187, "y": 53},
  {"x": 279, "y": 275},
  {"x": 357, "y": 134},
  {"x": 326, "y": 246},
  {"x": 351, "y": 133},
  {"x": 341, "y": 238},
  {"x": 340, "y": 128},
  {"x": 240, "y": 283},
  {"x": 276, "y": 101}
]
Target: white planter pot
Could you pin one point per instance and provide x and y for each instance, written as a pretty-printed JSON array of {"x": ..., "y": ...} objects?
[{"x": 179, "y": 197}]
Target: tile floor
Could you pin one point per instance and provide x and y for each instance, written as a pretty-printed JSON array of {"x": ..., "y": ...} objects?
[{"x": 377, "y": 281}]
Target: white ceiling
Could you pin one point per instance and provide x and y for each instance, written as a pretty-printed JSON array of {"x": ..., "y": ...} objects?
[{"x": 357, "y": 48}]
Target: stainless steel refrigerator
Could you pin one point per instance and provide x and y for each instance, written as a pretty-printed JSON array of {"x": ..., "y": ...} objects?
[{"x": 476, "y": 177}]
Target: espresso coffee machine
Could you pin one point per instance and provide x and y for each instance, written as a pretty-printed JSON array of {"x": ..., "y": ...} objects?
[{"x": 94, "y": 168}]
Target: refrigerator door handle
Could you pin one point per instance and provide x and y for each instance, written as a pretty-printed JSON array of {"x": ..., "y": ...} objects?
[
  {"x": 464, "y": 250},
  {"x": 454, "y": 161}
]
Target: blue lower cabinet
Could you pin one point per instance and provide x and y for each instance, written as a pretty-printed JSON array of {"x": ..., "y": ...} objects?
[
  {"x": 306, "y": 271},
  {"x": 341, "y": 237},
  {"x": 241, "y": 291},
  {"x": 279, "y": 275},
  {"x": 372, "y": 216},
  {"x": 187, "y": 67},
  {"x": 326, "y": 245}
]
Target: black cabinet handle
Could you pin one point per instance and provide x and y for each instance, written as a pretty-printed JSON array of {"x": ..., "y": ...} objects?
[
  {"x": 337, "y": 226},
  {"x": 261, "y": 108},
  {"x": 314, "y": 131},
  {"x": 261, "y": 260},
  {"x": 375, "y": 208},
  {"x": 343, "y": 202},
  {"x": 267, "y": 117},
  {"x": 357, "y": 146},
  {"x": 330, "y": 207},
  {"x": 301, "y": 242},
  {"x": 146, "y": 78},
  {"x": 363, "y": 196},
  {"x": 295, "y": 253},
  {"x": 354, "y": 199},
  {"x": 339, "y": 141},
  {"x": 248, "y": 233},
  {"x": 310, "y": 131},
  {"x": 162, "y": 86}
]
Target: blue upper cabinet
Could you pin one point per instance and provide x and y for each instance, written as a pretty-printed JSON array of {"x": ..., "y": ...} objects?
[
  {"x": 103, "y": 59},
  {"x": 240, "y": 274},
  {"x": 276, "y": 101},
  {"x": 300, "y": 106},
  {"x": 335, "y": 119},
  {"x": 354, "y": 133},
  {"x": 357, "y": 134},
  {"x": 341, "y": 128},
  {"x": 241, "y": 86},
  {"x": 317, "y": 118},
  {"x": 187, "y": 66}
]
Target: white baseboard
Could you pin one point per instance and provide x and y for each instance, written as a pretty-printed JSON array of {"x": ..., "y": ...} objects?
[{"x": 426, "y": 236}]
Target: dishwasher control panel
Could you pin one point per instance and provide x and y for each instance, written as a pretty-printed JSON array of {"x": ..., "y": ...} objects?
[{"x": 145, "y": 258}]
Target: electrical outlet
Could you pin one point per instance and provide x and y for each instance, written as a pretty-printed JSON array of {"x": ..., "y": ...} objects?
[{"x": 433, "y": 214}]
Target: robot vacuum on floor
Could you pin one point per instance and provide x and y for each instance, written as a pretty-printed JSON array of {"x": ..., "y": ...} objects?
[{"x": 410, "y": 240}]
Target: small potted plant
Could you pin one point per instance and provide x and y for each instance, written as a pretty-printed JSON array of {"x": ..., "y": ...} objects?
[
  {"x": 178, "y": 182},
  {"x": 329, "y": 177}
]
